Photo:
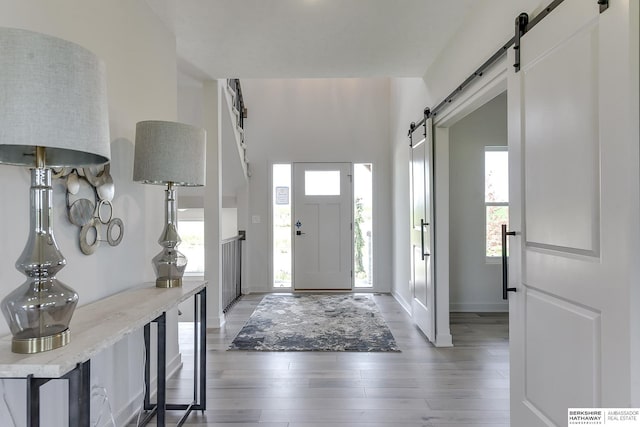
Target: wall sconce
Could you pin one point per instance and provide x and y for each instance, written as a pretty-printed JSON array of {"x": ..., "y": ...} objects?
[
  {"x": 171, "y": 154},
  {"x": 53, "y": 114}
]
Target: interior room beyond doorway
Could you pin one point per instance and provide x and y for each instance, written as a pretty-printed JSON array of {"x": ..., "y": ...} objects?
[{"x": 475, "y": 271}]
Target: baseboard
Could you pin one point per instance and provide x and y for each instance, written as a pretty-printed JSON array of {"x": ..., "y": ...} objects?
[
  {"x": 406, "y": 306},
  {"x": 479, "y": 308},
  {"x": 128, "y": 414},
  {"x": 444, "y": 340},
  {"x": 216, "y": 322},
  {"x": 174, "y": 365}
]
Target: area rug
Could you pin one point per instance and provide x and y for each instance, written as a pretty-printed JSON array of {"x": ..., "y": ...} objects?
[{"x": 316, "y": 322}]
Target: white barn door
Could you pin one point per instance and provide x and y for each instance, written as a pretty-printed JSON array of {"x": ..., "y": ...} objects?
[
  {"x": 422, "y": 259},
  {"x": 574, "y": 196}
]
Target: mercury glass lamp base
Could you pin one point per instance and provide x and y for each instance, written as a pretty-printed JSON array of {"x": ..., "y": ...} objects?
[
  {"x": 40, "y": 344},
  {"x": 166, "y": 282}
]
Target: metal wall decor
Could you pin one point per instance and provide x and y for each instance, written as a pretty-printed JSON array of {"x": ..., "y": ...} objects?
[{"x": 90, "y": 193}]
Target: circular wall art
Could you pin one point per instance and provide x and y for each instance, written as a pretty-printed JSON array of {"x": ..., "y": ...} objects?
[{"x": 90, "y": 193}]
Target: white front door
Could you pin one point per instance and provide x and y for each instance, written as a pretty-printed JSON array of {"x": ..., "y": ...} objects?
[
  {"x": 574, "y": 195},
  {"x": 322, "y": 226},
  {"x": 422, "y": 289}
]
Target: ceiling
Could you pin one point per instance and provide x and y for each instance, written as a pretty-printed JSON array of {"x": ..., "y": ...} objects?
[{"x": 311, "y": 38}]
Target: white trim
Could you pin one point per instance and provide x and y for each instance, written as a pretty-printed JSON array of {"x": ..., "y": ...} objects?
[
  {"x": 496, "y": 148},
  {"x": 215, "y": 322},
  {"x": 493, "y": 83},
  {"x": 441, "y": 241},
  {"x": 444, "y": 340}
]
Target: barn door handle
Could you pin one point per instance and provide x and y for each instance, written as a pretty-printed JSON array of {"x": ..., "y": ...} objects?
[
  {"x": 422, "y": 252},
  {"x": 505, "y": 262}
]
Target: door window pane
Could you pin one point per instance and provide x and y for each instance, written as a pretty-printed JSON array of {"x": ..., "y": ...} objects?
[{"x": 322, "y": 183}]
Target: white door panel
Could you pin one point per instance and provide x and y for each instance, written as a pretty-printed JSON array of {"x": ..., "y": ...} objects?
[
  {"x": 573, "y": 184},
  {"x": 322, "y": 235},
  {"x": 563, "y": 213}
]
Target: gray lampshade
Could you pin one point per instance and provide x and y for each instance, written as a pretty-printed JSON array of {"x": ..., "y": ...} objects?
[
  {"x": 169, "y": 152},
  {"x": 53, "y": 94}
]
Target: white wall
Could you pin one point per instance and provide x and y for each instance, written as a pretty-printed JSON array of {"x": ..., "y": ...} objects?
[
  {"x": 408, "y": 99},
  {"x": 139, "y": 53},
  {"x": 229, "y": 223},
  {"x": 474, "y": 284},
  {"x": 484, "y": 31},
  {"x": 319, "y": 120}
]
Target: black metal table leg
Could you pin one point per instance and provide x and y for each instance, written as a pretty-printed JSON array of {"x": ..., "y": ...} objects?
[
  {"x": 79, "y": 381},
  {"x": 162, "y": 369},
  {"x": 85, "y": 393},
  {"x": 147, "y": 368},
  {"x": 75, "y": 396},
  {"x": 33, "y": 401},
  {"x": 203, "y": 349},
  {"x": 159, "y": 409}
]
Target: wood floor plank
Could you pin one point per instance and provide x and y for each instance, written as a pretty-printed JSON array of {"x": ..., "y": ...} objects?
[{"x": 463, "y": 386}]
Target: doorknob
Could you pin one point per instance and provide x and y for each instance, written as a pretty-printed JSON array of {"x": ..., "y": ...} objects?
[
  {"x": 422, "y": 225},
  {"x": 505, "y": 262}
]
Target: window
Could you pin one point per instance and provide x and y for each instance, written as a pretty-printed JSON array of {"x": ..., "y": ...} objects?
[
  {"x": 496, "y": 197},
  {"x": 363, "y": 224},
  {"x": 191, "y": 230},
  {"x": 281, "y": 220}
]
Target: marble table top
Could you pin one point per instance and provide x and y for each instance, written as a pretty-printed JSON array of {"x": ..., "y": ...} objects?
[{"x": 95, "y": 327}]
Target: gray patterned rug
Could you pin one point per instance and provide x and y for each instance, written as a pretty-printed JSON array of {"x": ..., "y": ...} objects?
[{"x": 311, "y": 322}]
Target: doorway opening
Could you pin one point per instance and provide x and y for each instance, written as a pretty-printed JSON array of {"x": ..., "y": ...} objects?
[
  {"x": 479, "y": 197},
  {"x": 282, "y": 223}
]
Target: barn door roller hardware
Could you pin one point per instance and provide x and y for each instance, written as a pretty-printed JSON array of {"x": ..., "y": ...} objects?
[
  {"x": 521, "y": 28},
  {"x": 523, "y": 25},
  {"x": 412, "y": 127},
  {"x": 604, "y": 5}
]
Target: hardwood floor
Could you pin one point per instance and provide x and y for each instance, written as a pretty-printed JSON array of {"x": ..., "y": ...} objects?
[{"x": 467, "y": 385}]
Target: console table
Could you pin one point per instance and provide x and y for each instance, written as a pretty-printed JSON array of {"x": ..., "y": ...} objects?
[{"x": 99, "y": 325}]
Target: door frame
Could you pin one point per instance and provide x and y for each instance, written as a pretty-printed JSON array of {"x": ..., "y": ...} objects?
[{"x": 481, "y": 91}]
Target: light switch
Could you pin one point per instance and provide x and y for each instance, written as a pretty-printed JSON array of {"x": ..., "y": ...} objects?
[{"x": 255, "y": 219}]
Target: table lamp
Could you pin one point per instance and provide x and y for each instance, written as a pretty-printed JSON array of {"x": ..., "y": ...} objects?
[
  {"x": 171, "y": 154},
  {"x": 53, "y": 113}
]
